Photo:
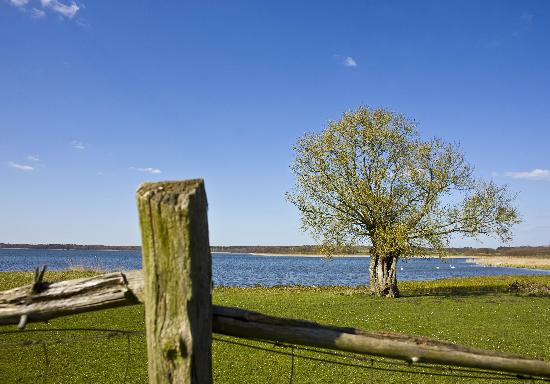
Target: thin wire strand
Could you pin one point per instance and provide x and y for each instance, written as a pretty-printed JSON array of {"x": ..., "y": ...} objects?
[
  {"x": 110, "y": 333},
  {"x": 396, "y": 363},
  {"x": 500, "y": 376},
  {"x": 292, "y": 367},
  {"x": 372, "y": 360},
  {"x": 130, "y": 331},
  {"x": 128, "y": 356},
  {"x": 46, "y": 363}
]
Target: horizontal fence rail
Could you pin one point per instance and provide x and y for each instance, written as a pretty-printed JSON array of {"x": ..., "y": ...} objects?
[
  {"x": 110, "y": 290},
  {"x": 175, "y": 288}
]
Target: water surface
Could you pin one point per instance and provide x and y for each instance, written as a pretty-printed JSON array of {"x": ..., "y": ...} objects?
[{"x": 245, "y": 270}]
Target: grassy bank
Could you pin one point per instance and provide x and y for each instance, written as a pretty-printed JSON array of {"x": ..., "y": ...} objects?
[{"x": 478, "y": 312}]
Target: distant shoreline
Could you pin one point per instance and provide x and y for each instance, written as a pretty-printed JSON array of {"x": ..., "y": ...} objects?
[
  {"x": 67, "y": 247},
  {"x": 115, "y": 248},
  {"x": 296, "y": 254},
  {"x": 318, "y": 255},
  {"x": 524, "y": 252}
]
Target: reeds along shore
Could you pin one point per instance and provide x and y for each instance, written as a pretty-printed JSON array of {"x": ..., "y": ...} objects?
[{"x": 514, "y": 261}]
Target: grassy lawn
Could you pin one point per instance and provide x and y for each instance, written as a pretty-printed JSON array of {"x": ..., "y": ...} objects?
[{"x": 476, "y": 312}]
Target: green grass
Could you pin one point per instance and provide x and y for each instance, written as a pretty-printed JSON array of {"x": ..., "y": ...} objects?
[{"x": 477, "y": 312}]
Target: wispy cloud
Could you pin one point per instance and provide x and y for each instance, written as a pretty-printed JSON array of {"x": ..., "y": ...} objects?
[
  {"x": 20, "y": 167},
  {"x": 78, "y": 145},
  {"x": 147, "y": 170},
  {"x": 64, "y": 10},
  {"x": 535, "y": 174},
  {"x": 18, "y": 3},
  {"x": 346, "y": 61},
  {"x": 525, "y": 23},
  {"x": 350, "y": 62},
  {"x": 33, "y": 158},
  {"x": 82, "y": 23},
  {"x": 37, "y": 13}
]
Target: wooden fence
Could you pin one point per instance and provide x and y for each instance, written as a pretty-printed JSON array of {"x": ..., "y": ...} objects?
[{"x": 175, "y": 286}]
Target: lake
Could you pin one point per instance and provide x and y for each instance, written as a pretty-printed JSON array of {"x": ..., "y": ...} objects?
[{"x": 245, "y": 270}]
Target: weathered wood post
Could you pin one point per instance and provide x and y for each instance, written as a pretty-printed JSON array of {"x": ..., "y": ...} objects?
[{"x": 177, "y": 276}]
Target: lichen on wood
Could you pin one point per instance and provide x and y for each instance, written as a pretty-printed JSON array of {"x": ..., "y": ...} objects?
[{"x": 177, "y": 279}]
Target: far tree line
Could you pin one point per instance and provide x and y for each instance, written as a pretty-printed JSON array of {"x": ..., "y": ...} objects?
[
  {"x": 524, "y": 251},
  {"x": 364, "y": 250}
]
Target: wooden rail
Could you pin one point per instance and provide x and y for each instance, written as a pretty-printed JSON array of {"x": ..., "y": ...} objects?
[
  {"x": 175, "y": 287},
  {"x": 121, "y": 289}
]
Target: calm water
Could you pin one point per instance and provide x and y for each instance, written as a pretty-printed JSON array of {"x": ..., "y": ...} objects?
[{"x": 242, "y": 270}]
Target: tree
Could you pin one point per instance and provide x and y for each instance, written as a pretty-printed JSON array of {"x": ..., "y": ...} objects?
[{"x": 369, "y": 179}]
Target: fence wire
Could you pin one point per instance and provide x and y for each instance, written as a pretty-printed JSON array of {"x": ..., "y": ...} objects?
[
  {"x": 295, "y": 352},
  {"x": 90, "y": 335},
  {"x": 377, "y": 364}
]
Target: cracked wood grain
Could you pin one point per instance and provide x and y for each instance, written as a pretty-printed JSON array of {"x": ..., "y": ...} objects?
[{"x": 177, "y": 281}]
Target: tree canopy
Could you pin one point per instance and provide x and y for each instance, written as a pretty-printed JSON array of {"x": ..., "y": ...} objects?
[{"x": 369, "y": 178}]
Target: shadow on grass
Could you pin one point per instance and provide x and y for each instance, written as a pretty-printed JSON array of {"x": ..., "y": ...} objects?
[
  {"x": 452, "y": 291},
  {"x": 534, "y": 287}
]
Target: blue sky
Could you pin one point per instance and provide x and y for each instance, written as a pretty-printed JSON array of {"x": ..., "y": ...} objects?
[{"x": 97, "y": 97}]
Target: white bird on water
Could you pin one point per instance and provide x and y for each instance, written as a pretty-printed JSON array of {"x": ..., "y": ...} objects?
[
  {"x": 452, "y": 267},
  {"x": 436, "y": 267}
]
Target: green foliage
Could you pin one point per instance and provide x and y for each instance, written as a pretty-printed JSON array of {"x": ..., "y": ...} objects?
[
  {"x": 369, "y": 178},
  {"x": 476, "y": 312}
]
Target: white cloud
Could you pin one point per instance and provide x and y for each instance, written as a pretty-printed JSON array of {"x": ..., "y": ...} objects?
[
  {"x": 33, "y": 158},
  {"x": 78, "y": 145},
  {"x": 535, "y": 174},
  {"x": 37, "y": 13},
  {"x": 62, "y": 9},
  {"x": 350, "y": 62},
  {"x": 18, "y": 3},
  {"x": 148, "y": 170},
  {"x": 21, "y": 167}
]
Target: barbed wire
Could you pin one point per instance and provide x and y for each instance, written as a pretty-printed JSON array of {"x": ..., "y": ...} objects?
[
  {"x": 46, "y": 362},
  {"x": 410, "y": 368},
  {"x": 331, "y": 357},
  {"x": 418, "y": 365},
  {"x": 109, "y": 333}
]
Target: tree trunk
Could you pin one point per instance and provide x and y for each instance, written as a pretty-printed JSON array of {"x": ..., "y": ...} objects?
[{"x": 383, "y": 275}]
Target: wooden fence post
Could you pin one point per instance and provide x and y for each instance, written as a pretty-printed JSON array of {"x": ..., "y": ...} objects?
[{"x": 177, "y": 277}]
